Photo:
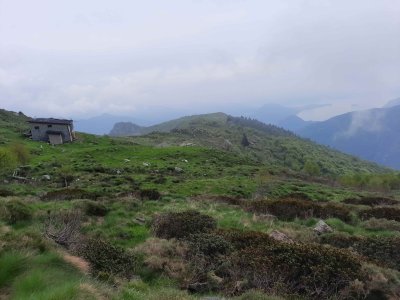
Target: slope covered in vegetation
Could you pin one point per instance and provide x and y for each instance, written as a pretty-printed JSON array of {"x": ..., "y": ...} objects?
[{"x": 180, "y": 216}]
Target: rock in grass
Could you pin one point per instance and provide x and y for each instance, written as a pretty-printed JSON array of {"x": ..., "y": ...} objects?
[
  {"x": 280, "y": 236},
  {"x": 178, "y": 170},
  {"x": 322, "y": 228}
]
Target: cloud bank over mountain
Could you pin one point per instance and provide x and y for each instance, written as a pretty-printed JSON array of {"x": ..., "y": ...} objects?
[{"x": 87, "y": 58}]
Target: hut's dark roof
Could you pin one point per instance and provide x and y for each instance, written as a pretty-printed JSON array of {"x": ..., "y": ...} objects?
[{"x": 51, "y": 121}]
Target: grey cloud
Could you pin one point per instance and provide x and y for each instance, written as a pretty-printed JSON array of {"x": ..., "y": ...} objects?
[{"x": 197, "y": 55}]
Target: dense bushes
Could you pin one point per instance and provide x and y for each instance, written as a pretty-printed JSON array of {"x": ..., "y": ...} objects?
[
  {"x": 316, "y": 271},
  {"x": 14, "y": 211},
  {"x": 209, "y": 244},
  {"x": 93, "y": 208},
  {"x": 289, "y": 209},
  {"x": 150, "y": 194},
  {"x": 68, "y": 194},
  {"x": 6, "y": 193},
  {"x": 243, "y": 239},
  {"x": 390, "y": 213},
  {"x": 181, "y": 224},
  {"x": 105, "y": 258},
  {"x": 371, "y": 201},
  {"x": 381, "y": 224},
  {"x": 380, "y": 249}
]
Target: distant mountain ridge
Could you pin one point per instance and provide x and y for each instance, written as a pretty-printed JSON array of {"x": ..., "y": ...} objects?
[{"x": 370, "y": 134}]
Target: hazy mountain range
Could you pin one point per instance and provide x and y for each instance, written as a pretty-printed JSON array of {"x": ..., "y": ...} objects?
[
  {"x": 276, "y": 114},
  {"x": 370, "y": 134}
]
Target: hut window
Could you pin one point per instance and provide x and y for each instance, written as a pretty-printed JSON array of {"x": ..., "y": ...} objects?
[
  {"x": 37, "y": 127},
  {"x": 49, "y": 125}
]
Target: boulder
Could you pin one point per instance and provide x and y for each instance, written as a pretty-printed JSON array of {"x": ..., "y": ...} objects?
[
  {"x": 322, "y": 228},
  {"x": 178, "y": 170},
  {"x": 280, "y": 236},
  {"x": 46, "y": 177}
]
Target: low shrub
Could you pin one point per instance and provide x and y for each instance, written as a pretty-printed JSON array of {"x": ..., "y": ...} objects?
[
  {"x": 68, "y": 194},
  {"x": 105, "y": 258},
  {"x": 381, "y": 224},
  {"x": 6, "y": 193},
  {"x": 379, "y": 249},
  {"x": 14, "y": 211},
  {"x": 168, "y": 256},
  {"x": 289, "y": 209},
  {"x": 389, "y": 213},
  {"x": 304, "y": 269},
  {"x": 63, "y": 227},
  {"x": 209, "y": 244},
  {"x": 26, "y": 240},
  {"x": 150, "y": 194},
  {"x": 181, "y": 224},
  {"x": 93, "y": 208},
  {"x": 243, "y": 239},
  {"x": 371, "y": 201}
]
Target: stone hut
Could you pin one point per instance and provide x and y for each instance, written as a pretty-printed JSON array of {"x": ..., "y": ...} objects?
[{"x": 54, "y": 131}]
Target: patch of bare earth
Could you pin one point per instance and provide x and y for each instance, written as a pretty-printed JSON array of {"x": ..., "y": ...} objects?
[{"x": 77, "y": 262}]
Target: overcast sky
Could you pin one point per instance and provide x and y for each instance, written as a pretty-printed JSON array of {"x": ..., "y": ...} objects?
[{"x": 81, "y": 58}]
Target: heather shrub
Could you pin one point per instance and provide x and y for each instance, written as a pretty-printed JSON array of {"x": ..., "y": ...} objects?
[
  {"x": 68, "y": 194},
  {"x": 181, "y": 224},
  {"x": 380, "y": 249},
  {"x": 209, "y": 244},
  {"x": 6, "y": 193},
  {"x": 105, "y": 258},
  {"x": 168, "y": 256},
  {"x": 150, "y": 194},
  {"x": 311, "y": 270},
  {"x": 289, "y": 209},
  {"x": 389, "y": 213},
  {"x": 371, "y": 201},
  {"x": 93, "y": 208},
  {"x": 381, "y": 224},
  {"x": 243, "y": 239},
  {"x": 63, "y": 227},
  {"x": 14, "y": 210}
]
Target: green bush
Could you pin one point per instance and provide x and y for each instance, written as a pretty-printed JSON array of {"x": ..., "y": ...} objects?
[
  {"x": 181, "y": 224},
  {"x": 389, "y": 213},
  {"x": 289, "y": 209},
  {"x": 379, "y": 249},
  {"x": 21, "y": 153},
  {"x": 11, "y": 264},
  {"x": 7, "y": 162},
  {"x": 105, "y": 258},
  {"x": 310, "y": 270},
  {"x": 15, "y": 211}
]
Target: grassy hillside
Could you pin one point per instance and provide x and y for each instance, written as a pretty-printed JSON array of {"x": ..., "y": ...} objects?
[
  {"x": 269, "y": 145},
  {"x": 180, "y": 215}
]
